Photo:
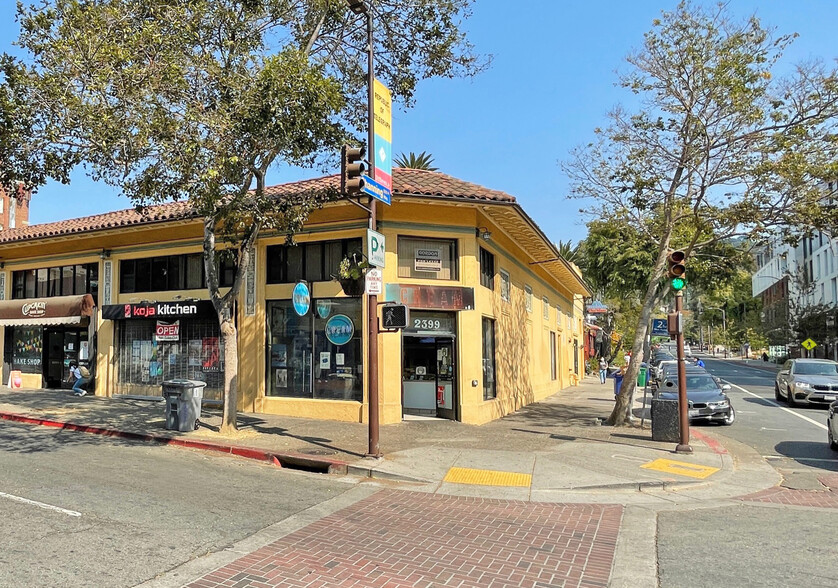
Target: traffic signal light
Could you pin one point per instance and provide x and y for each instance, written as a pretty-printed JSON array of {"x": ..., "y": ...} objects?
[
  {"x": 677, "y": 269},
  {"x": 351, "y": 169}
]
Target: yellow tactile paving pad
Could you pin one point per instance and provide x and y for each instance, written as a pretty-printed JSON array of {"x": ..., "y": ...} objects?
[
  {"x": 487, "y": 477},
  {"x": 679, "y": 467}
]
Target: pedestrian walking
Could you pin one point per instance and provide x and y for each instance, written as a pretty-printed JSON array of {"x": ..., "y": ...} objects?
[{"x": 603, "y": 370}]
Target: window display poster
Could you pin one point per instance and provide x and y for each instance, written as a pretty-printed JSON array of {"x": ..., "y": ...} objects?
[
  {"x": 210, "y": 354},
  {"x": 325, "y": 360},
  {"x": 339, "y": 358},
  {"x": 281, "y": 378},
  {"x": 279, "y": 355},
  {"x": 84, "y": 350},
  {"x": 194, "y": 352}
]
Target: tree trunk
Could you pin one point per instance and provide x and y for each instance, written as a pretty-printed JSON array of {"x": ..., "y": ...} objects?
[
  {"x": 229, "y": 340},
  {"x": 621, "y": 415}
]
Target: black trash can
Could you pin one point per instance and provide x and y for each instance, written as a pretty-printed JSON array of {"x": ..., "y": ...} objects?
[
  {"x": 183, "y": 404},
  {"x": 665, "y": 424}
]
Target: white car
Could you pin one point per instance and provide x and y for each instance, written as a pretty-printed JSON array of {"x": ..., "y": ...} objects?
[{"x": 687, "y": 351}]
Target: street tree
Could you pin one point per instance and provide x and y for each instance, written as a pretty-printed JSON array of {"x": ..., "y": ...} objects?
[
  {"x": 412, "y": 161},
  {"x": 717, "y": 145},
  {"x": 196, "y": 100}
]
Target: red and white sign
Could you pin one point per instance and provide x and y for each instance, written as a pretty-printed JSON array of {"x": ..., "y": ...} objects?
[
  {"x": 374, "y": 281},
  {"x": 168, "y": 331}
]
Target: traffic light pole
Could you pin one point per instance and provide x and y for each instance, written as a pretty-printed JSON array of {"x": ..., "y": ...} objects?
[
  {"x": 683, "y": 414},
  {"x": 372, "y": 300}
]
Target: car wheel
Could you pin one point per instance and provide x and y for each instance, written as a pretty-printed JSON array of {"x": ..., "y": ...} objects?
[
  {"x": 731, "y": 416},
  {"x": 791, "y": 400},
  {"x": 832, "y": 444},
  {"x": 777, "y": 396}
]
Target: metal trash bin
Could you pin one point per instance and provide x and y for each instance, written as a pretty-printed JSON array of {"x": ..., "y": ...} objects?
[
  {"x": 665, "y": 423},
  {"x": 183, "y": 404}
]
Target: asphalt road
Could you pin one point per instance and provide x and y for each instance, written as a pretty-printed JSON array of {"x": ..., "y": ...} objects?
[
  {"x": 82, "y": 510},
  {"x": 747, "y": 544},
  {"x": 792, "y": 440}
]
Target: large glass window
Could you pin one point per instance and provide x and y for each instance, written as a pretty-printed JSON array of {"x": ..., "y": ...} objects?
[
  {"x": 553, "y": 352},
  {"x": 317, "y": 355},
  {"x": 434, "y": 259},
  {"x": 27, "y": 349},
  {"x": 489, "y": 388},
  {"x": 145, "y": 363},
  {"x": 171, "y": 272},
  {"x": 314, "y": 262},
  {"x": 68, "y": 280}
]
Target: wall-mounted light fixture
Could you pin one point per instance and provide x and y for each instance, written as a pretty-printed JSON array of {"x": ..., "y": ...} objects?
[
  {"x": 105, "y": 254},
  {"x": 484, "y": 233}
]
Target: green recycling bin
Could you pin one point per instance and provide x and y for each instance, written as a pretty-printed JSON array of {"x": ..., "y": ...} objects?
[{"x": 641, "y": 376}]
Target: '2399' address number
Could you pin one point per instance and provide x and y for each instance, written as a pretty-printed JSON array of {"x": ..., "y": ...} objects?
[{"x": 426, "y": 324}]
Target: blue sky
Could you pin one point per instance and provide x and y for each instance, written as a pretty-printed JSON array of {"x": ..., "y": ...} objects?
[{"x": 550, "y": 84}]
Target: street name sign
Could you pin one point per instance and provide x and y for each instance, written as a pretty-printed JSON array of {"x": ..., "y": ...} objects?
[{"x": 376, "y": 190}]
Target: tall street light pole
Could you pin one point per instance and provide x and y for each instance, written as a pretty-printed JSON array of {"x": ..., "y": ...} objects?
[
  {"x": 362, "y": 7},
  {"x": 724, "y": 326}
]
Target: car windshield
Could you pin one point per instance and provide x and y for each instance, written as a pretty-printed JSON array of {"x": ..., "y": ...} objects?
[
  {"x": 701, "y": 382},
  {"x": 816, "y": 369}
]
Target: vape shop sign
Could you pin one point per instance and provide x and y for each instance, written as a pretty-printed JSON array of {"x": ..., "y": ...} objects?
[{"x": 168, "y": 330}]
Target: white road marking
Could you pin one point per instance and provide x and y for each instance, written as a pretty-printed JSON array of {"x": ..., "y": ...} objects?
[
  {"x": 71, "y": 513},
  {"x": 824, "y": 459},
  {"x": 769, "y": 401},
  {"x": 767, "y": 429}
]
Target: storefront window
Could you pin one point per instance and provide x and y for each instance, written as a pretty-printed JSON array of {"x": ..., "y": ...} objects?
[
  {"x": 317, "y": 355},
  {"x": 146, "y": 362},
  {"x": 27, "y": 349},
  {"x": 489, "y": 389}
]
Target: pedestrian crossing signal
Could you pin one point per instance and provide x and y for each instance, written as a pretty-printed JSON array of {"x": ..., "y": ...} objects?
[{"x": 395, "y": 316}]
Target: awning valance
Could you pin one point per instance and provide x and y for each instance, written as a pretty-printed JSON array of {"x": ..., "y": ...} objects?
[{"x": 57, "y": 310}]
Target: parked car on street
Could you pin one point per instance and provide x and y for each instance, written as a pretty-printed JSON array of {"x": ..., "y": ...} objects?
[
  {"x": 807, "y": 381},
  {"x": 832, "y": 426},
  {"x": 707, "y": 399}
]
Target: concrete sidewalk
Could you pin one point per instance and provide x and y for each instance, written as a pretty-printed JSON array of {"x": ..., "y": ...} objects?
[{"x": 552, "y": 450}]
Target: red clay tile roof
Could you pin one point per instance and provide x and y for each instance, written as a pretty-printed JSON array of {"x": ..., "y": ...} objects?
[{"x": 406, "y": 182}]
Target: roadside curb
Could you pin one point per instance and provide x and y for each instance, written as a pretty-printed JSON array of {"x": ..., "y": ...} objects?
[{"x": 279, "y": 459}]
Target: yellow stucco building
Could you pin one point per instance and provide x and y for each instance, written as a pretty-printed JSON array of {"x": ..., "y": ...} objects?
[{"x": 495, "y": 313}]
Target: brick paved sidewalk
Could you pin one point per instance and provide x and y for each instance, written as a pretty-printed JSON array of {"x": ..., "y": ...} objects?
[
  {"x": 401, "y": 538},
  {"x": 826, "y": 498}
]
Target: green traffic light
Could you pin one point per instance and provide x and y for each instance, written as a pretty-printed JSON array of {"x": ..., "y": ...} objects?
[{"x": 678, "y": 283}]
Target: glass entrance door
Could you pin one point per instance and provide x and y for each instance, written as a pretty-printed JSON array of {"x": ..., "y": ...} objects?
[
  {"x": 446, "y": 383},
  {"x": 429, "y": 377}
]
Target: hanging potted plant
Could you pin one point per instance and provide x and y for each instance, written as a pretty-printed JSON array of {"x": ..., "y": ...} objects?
[{"x": 351, "y": 273}]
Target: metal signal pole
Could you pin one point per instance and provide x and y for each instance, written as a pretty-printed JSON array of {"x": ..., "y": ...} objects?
[{"x": 683, "y": 414}]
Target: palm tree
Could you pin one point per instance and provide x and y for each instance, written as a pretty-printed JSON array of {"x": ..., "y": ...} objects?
[
  {"x": 569, "y": 252},
  {"x": 413, "y": 161}
]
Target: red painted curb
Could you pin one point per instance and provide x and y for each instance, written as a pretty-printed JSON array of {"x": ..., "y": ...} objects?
[
  {"x": 713, "y": 444},
  {"x": 331, "y": 466}
]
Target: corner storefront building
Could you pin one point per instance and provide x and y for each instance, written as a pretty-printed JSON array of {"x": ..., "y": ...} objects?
[{"x": 495, "y": 312}]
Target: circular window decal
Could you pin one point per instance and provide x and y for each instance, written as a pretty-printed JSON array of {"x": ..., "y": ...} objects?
[
  {"x": 339, "y": 329},
  {"x": 324, "y": 308},
  {"x": 301, "y": 298}
]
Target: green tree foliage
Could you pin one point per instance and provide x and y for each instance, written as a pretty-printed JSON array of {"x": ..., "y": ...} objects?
[
  {"x": 196, "y": 100},
  {"x": 412, "y": 161},
  {"x": 718, "y": 146}
]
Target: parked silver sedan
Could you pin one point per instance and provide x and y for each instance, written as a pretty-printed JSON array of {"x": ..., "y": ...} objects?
[{"x": 807, "y": 381}]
